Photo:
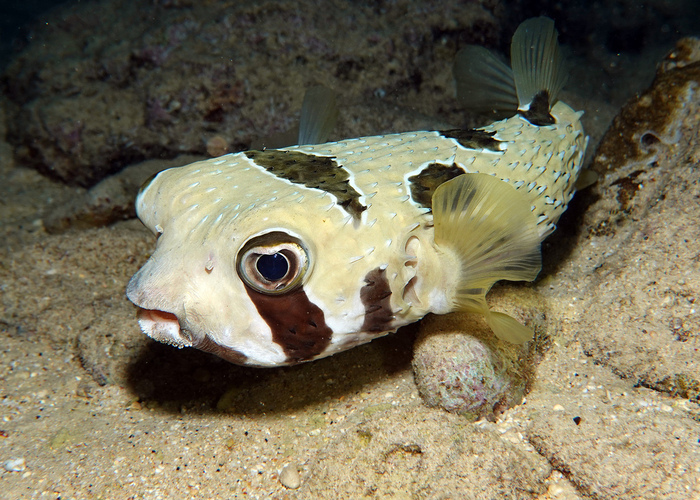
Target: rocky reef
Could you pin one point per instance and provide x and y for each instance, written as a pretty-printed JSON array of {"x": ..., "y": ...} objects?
[
  {"x": 95, "y": 92},
  {"x": 644, "y": 229}
]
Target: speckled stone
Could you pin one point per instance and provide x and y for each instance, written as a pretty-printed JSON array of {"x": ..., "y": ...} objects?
[
  {"x": 289, "y": 477},
  {"x": 461, "y": 374},
  {"x": 459, "y": 364}
]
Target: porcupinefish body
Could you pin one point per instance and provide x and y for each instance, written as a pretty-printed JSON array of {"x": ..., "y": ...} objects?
[{"x": 276, "y": 257}]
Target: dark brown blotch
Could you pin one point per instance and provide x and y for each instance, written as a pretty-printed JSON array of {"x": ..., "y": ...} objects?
[
  {"x": 629, "y": 187},
  {"x": 297, "y": 324},
  {"x": 473, "y": 138},
  {"x": 424, "y": 184},
  {"x": 538, "y": 113},
  {"x": 376, "y": 297},
  {"x": 317, "y": 172}
]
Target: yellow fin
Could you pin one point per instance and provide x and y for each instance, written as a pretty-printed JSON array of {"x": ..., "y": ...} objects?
[
  {"x": 488, "y": 224},
  {"x": 586, "y": 178},
  {"x": 507, "y": 328}
]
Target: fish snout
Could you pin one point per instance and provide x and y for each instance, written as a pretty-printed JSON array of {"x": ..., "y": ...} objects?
[{"x": 154, "y": 318}]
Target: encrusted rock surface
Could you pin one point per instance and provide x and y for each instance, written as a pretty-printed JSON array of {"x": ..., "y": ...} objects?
[
  {"x": 96, "y": 91},
  {"x": 644, "y": 262},
  {"x": 436, "y": 455},
  {"x": 461, "y": 366}
]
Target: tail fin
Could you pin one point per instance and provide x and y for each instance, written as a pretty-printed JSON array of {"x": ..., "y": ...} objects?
[
  {"x": 538, "y": 68},
  {"x": 490, "y": 226},
  {"x": 484, "y": 83}
]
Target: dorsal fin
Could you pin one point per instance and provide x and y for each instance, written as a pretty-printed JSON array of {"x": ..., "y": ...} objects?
[
  {"x": 318, "y": 115},
  {"x": 484, "y": 83}
]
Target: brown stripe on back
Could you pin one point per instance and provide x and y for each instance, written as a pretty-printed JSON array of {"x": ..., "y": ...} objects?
[
  {"x": 424, "y": 183},
  {"x": 473, "y": 138},
  {"x": 317, "y": 172},
  {"x": 376, "y": 297},
  {"x": 297, "y": 325}
]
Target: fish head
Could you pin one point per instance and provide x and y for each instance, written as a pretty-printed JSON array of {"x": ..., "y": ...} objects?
[{"x": 255, "y": 269}]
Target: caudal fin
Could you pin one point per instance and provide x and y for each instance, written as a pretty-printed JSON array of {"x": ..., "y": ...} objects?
[
  {"x": 493, "y": 232},
  {"x": 538, "y": 68}
]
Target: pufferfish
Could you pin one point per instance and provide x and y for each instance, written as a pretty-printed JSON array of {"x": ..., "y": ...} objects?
[{"x": 281, "y": 256}]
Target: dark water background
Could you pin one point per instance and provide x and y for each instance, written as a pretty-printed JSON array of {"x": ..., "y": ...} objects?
[{"x": 621, "y": 26}]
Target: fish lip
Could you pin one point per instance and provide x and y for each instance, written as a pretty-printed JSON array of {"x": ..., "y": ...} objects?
[
  {"x": 155, "y": 314},
  {"x": 163, "y": 326}
]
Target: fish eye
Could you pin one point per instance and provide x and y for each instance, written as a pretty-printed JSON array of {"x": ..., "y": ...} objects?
[
  {"x": 273, "y": 263},
  {"x": 272, "y": 267}
]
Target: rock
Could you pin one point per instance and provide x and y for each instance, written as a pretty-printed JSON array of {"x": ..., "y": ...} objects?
[
  {"x": 289, "y": 477},
  {"x": 108, "y": 201},
  {"x": 460, "y": 365},
  {"x": 15, "y": 465},
  {"x": 107, "y": 85},
  {"x": 638, "y": 313},
  {"x": 615, "y": 442},
  {"x": 433, "y": 454},
  {"x": 651, "y": 129}
]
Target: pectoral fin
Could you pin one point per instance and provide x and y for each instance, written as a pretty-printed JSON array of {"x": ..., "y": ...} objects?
[{"x": 488, "y": 224}]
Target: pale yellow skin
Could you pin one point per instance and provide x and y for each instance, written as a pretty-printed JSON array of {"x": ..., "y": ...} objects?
[{"x": 206, "y": 211}]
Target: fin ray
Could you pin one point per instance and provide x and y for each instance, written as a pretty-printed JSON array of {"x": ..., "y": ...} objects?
[{"x": 490, "y": 225}]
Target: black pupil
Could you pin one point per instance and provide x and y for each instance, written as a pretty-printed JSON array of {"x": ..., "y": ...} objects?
[{"x": 272, "y": 267}]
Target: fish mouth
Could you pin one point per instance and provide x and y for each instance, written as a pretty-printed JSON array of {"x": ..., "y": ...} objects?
[{"x": 164, "y": 327}]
